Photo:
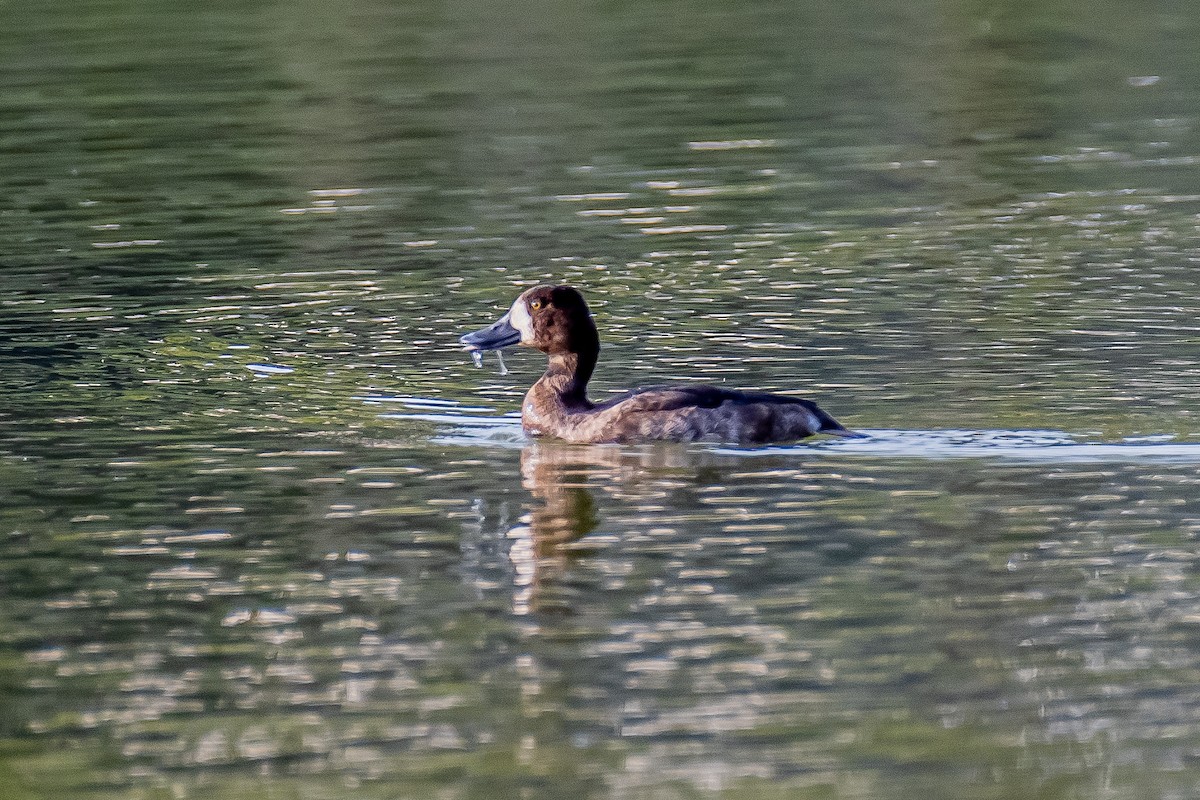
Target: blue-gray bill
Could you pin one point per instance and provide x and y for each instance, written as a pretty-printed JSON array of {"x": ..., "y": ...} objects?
[{"x": 495, "y": 336}]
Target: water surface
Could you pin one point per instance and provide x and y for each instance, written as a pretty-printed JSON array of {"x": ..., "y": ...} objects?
[{"x": 265, "y": 531}]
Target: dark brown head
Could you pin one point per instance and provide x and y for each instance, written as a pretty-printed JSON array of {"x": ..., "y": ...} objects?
[{"x": 553, "y": 319}]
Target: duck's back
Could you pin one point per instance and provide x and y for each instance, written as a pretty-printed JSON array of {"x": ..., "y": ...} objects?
[{"x": 690, "y": 413}]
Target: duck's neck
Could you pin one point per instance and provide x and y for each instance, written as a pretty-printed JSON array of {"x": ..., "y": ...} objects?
[{"x": 568, "y": 374}]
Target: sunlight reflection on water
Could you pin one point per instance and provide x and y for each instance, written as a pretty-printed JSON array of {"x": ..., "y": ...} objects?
[{"x": 266, "y": 532}]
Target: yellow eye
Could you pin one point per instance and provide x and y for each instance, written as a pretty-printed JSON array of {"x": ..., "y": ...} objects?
[{"x": 534, "y": 305}]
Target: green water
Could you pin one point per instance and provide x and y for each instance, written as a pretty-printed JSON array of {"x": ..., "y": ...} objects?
[{"x": 265, "y": 532}]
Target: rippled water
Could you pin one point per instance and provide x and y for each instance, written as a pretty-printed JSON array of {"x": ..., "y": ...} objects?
[{"x": 266, "y": 531}]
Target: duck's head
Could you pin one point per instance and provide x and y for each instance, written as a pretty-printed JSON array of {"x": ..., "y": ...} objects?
[{"x": 553, "y": 319}]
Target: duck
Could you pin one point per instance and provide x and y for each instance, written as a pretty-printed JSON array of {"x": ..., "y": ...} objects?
[{"x": 557, "y": 321}]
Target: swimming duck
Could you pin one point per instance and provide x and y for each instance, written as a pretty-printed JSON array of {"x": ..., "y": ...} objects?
[{"x": 556, "y": 320}]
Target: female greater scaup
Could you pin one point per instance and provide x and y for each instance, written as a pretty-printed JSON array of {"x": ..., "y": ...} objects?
[{"x": 556, "y": 320}]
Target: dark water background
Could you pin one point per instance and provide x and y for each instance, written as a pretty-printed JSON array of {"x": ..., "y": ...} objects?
[{"x": 265, "y": 532}]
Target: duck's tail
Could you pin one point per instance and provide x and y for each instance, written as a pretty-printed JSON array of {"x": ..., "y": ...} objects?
[
  {"x": 832, "y": 427},
  {"x": 823, "y": 422},
  {"x": 844, "y": 433}
]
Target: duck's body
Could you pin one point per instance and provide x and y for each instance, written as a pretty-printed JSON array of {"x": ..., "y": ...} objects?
[
  {"x": 556, "y": 320},
  {"x": 675, "y": 414}
]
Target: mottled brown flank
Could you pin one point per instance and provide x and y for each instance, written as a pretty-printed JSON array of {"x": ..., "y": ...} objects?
[{"x": 557, "y": 404}]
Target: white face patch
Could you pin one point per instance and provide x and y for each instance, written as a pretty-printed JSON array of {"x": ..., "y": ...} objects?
[{"x": 518, "y": 317}]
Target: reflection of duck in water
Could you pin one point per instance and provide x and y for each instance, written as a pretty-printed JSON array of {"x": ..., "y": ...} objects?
[
  {"x": 569, "y": 485},
  {"x": 565, "y": 482},
  {"x": 558, "y": 478},
  {"x": 566, "y": 514},
  {"x": 556, "y": 320}
]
